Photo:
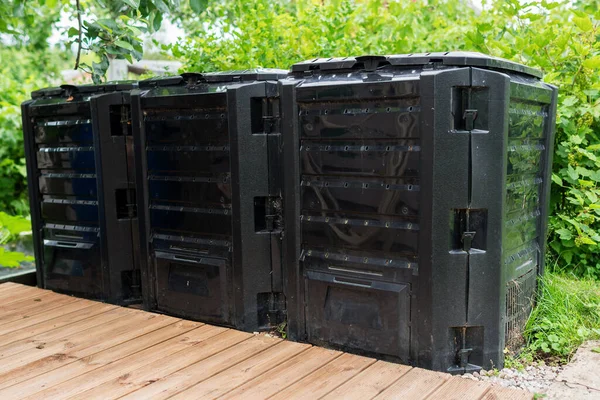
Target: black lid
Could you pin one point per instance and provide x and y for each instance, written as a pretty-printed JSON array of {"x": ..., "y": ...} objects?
[
  {"x": 246, "y": 75},
  {"x": 46, "y": 92},
  {"x": 451, "y": 58},
  {"x": 257, "y": 74},
  {"x": 68, "y": 90},
  {"x": 160, "y": 81}
]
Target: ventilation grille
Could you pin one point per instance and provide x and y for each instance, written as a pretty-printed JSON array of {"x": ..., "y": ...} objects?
[{"x": 520, "y": 296}]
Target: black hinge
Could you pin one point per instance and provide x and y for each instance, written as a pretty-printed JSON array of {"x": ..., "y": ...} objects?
[{"x": 271, "y": 116}]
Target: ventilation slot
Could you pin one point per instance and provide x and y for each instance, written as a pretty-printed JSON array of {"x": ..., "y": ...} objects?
[{"x": 520, "y": 296}]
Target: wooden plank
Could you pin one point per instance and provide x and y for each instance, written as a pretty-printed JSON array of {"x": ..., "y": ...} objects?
[
  {"x": 174, "y": 383},
  {"x": 62, "y": 370},
  {"x": 277, "y": 377},
  {"x": 119, "y": 368},
  {"x": 370, "y": 382},
  {"x": 63, "y": 332},
  {"x": 28, "y": 321},
  {"x": 457, "y": 388},
  {"x": 14, "y": 303},
  {"x": 326, "y": 379},
  {"x": 63, "y": 320},
  {"x": 33, "y": 306},
  {"x": 502, "y": 393},
  {"x": 7, "y": 286},
  {"x": 275, "y": 357},
  {"x": 415, "y": 384},
  {"x": 9, "y": 302},
  {"x": 87, "y": 342},
  {"x": 21, "y": 293},
  {"x": 134, "y": 379}
]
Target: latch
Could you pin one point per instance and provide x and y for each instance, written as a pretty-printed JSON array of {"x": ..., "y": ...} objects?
[
  {"x": 268, "y": 214},
  {"x": 126, "y": 203},
  {"x": 464, "y": 337},
  {"x": 467, "y": 240},
  {"x": 271, "y": 118},
  {"x": 469, "y": 116}
]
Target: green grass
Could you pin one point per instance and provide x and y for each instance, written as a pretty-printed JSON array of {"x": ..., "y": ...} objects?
[{"x": 566, "y": 315}]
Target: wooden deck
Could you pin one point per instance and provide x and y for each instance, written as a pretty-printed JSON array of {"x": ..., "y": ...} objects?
[{"x": 54, "y": 346}]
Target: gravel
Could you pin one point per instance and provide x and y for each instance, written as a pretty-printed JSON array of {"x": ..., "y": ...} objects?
[{"x": 536, "y": 379}]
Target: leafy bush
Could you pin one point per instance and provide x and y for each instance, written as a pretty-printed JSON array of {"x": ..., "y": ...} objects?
[
  {"x": 21, "y": 72},
  {"x": 11, "y": 228},
  {"x": 567, "y": 314},
  {"x": 560, "y": 38}
]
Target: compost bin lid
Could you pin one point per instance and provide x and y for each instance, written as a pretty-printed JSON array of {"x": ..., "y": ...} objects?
[
  {"x": 450, "y": 58},
  {"x": 67, "y": 90},
  {"x": 246, "y": 75}
]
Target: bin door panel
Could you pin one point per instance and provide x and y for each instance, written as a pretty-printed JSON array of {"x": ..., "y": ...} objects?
[
  {"x": 192, "y": 286},
  {"x": 353, "y": 313}
]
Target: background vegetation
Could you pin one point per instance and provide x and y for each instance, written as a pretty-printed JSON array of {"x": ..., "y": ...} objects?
[{"x": 561, "y": 38}]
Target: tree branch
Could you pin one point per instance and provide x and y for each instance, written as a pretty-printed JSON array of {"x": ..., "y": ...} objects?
[{"x": 79, "y": 42}]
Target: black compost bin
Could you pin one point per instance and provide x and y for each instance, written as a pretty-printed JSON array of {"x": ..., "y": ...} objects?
[
  {"x": 208, "y": 169},
  {"x": 79, "y": 153},
  {"x": 416, "y": 200}
]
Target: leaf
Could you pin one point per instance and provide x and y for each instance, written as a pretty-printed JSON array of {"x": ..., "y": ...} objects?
[
  {"x": 564, "y": 233},
  {"x": 12, "y": 259},
  {"x": 568, "y": 256},
  {"x": 198, "y": 5},
  {"x": 593, "y": 147},
  {"x": 124, "y": 45},
  {"x": 572, "y": 173},
  {"x": 583, "y": 23},
  {"x": 556, "y": 179},
  {"x": 135, "y": 4},
  {"x": 591, "y": 196},
  {"x": 587, "y": 240},
  {"x": 596, "y": 350},
  {"x": 161, "y": 6},
  {"x": 73, "y": 32},
  {"x": 592, "y": 63}
]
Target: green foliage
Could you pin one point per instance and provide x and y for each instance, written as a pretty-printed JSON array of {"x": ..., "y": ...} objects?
[
  {"x": 21, "y": 72},
  {"x": 107, "y": 28},
  {"x": 276, "y": 34},
  {"x": 567, "y": 314},
  {"x": 11, "y": 227},
  {"x": 266, "y": 33}
]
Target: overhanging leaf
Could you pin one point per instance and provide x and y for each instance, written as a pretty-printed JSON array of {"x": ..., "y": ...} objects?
[{"x": 124, "y": 45}]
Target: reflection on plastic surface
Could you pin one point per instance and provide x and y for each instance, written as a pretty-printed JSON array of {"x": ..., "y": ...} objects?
[{"x": 360, "y": 171}]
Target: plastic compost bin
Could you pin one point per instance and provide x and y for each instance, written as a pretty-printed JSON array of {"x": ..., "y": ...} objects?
[
  {"x": 208, "y": 160},
  {"x": 415, "y": 204},
  {"x": 394, "y": 206},
  {"x": 79, "y": 153}
]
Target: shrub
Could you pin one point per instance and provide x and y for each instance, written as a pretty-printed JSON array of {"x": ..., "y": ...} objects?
[{"x": 21, "y": 72}]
